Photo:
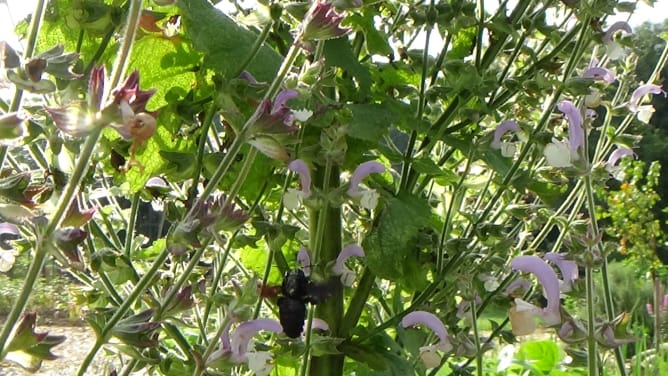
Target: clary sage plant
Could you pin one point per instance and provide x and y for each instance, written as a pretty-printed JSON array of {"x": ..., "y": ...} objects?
[{"x": 382, "y": 174}]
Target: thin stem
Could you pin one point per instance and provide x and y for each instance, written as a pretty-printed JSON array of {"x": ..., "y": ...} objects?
[
  {"x": 44, "y": 238},
  {"x": 306, "y": 364},
  {"x": 592, "y": 358},
  {"x": 255, "y": 49},
  {"x": 243, "y": 133},
  {"x": 130, "y": 229},
  {"x": 143, "y": 283}
]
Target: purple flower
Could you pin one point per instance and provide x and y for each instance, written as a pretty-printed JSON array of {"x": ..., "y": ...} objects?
[
  {"x": 575, "y": 132},
  {"x": 591, "y": 114},
  {"x": 236, "y": 347},
  {"x": 614, "y": 50},
  {"x": 568, "y": 268},
  {"x": 548, "y": 279},
  {"x": 503, "y": 128},
  {"x": 304, "y": 260},
  {"x": 300, "y": 167},
  {"x": 71, "y": 120},
  {"x": 246, "y": 331},
  {"x": 96, "y": 88},
  {"x": 517, "y": 287},
  {"x": 293, "y": 198},
  {"x": 319, "y": 324},
  {"x": 617, "y": 26},
  {"x": 368, "y": 198},
  {"x": 572, "y": 332},
  {"x": 600, "y": 73},
  {"x": 616, "y": 155},
  {"x": 640, "y": 92},
  {"x": 347, "y": 275},
  {"x": 428, "y": 354},
  {"x": 606, "y": 337},
  {"x": 322, "y": 22},
  {"x": 275, "y": 116}
]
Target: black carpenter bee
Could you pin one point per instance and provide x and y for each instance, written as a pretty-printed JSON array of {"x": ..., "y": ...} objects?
[{"x": 297, "y": 290}]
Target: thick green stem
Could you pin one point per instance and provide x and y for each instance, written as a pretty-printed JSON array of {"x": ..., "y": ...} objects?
[{"x": 329, "y": 241}]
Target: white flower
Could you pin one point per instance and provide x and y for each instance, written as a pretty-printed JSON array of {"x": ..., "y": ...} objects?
[
  {"x": 302, "y": 115},
  {"x": 260, "y": 362},
  {"x": 558, "y": 154}
]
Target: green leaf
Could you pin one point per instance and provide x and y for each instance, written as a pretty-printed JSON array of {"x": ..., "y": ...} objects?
[
  {"x": 371, "y": 121},
  {"x": 376, "y": 41},
  {"x": 463, "y": 43},
  {"x": 224, "y": 43},
  {"x": 542, "y": 355},
  {"x": 389, "y": 243},
  {"x": 339, "y": 53},
  {"x": 163, "y": 64}
]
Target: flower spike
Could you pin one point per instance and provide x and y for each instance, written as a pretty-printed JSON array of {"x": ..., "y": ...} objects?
[
  {"x": 347, "y": 275},
  {"x": 428, "y": 354},
  {"x": 568, "y": 268},
  {"x": 616, "y": 155},
  {"x": 575, "y": 131},
  {"x": 293, "y": 198},
  {"x": 548, "y": 279},
  {"x": 246, "y": 331},
  {"x": 640, "y": 92},
  {"x": 503, "y": 128},
  {"x": 600, "y": 73},
  {"x": 322, "y": 22}
]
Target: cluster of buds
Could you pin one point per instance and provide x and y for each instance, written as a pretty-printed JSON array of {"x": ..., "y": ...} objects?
[
  {"x": 28, "y": 75},
  {"x": 213, "y": 216}
]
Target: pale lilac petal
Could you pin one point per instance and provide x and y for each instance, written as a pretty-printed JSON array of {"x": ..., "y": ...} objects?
[
  {"x": 665, "y": 301},
  {"x": 9, "y": 229},
  {"x": 301, "y": 168},
  {"x": 282, "y": 98},
  {"x": 246, "y": 331},
  {"x": 362, "y": 171},
  {"x": 650, "y": 309},
  {"x": 225, "y": 345},
  {"x": 430, "y": 321},
  {"x": 345, "y": 254},
  {"x": 617, "y": 26},
  {"x": 519, "y": 284},
  {"x": 575, "y": 131},
  {"x": 608, "y": 338},
  {"x": 319, "y": 324},
  {"x": 619, "y": 153},
  {"x": 600, "y": 73},
  {"x": 547, "y": 278},
  {"x": 591, "y": 114},
  {"x": 304, "y": 259},
  {"x": 640, "y": 92},
  {"x": 568, "y": 268},
  {"x": 503, "y": 128}
]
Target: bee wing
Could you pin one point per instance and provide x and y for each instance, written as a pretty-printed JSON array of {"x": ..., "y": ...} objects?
[{"x": 317, "y": 292}]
